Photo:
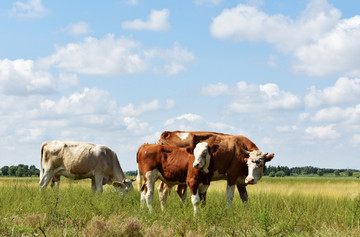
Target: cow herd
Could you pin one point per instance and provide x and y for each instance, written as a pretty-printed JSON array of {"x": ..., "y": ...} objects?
[{"x": 182, "y": 159}]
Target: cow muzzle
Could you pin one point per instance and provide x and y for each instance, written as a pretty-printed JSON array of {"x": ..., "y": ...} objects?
[
  {"x": 249, "y": 180},
  {"x": 197, "y": 166}
]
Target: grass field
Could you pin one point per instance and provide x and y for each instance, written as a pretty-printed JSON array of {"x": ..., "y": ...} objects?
[{"x": 277, "y": 207}]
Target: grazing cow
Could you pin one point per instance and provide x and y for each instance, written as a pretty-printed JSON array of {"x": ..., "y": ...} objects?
[
  {"x": 80, "y": 160},
  {"x": 175, "y": 165},
  {"x": 238, "y": 160}
]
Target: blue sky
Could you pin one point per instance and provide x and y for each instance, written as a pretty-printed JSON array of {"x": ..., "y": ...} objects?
[{"x": 283, "y": 73}]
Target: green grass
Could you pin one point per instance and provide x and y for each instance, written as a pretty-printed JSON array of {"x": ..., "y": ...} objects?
[{"x": 277, "y": 207}]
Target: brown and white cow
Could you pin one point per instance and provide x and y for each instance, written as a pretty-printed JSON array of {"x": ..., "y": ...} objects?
[
  {"x": 80, "y": 160},
  {"x": 238, "y": 160},
  {"x": 175, "y": 165}
]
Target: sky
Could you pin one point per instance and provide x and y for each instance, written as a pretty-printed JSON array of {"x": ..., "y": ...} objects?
[{"x": 285, "y": 74}]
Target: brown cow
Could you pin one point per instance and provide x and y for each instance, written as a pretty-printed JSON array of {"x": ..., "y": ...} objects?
[
  {"x": 80, "y": 160},
  {"x": 238, "y": 160},
  {"x": 174, "y": 165}
]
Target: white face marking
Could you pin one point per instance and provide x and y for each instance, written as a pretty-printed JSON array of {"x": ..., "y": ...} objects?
[
  {"x": 256, "y": 163},
  {"x": 202, "y": 156},
  {"x": 182, "y": 135}
]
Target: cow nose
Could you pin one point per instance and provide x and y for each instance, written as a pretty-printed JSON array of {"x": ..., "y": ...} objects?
[
  {"x": 250, "y": 180},
  {"x": 196, "y": 165}
]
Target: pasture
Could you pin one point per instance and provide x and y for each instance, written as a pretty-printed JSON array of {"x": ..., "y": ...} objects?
[{"x": 277, "y": 207}]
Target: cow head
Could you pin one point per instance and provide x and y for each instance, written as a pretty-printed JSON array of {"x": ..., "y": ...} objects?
[
  {"x": 124, "y": 186},
  {"x": 202, "y": 153},
  {"x": 256, "y": 165}
]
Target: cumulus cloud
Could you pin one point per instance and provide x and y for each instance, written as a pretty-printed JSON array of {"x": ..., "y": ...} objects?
[
  {"x": 337, "y": 52},
  {"x": 157, "y": 21},
  {"x": 29, "y": 9},
  {"x": 253, "y": 24},
  {"x": 132, "y": 110},
  {"x": 21, "y": 77},
  {"x": 106, "y": 56},
  {"x": 254, "y": 98},
  {"x": 323, "y": 132},
  {"x": 321, "y": 43},
  {"x": 79, "y": 28},
  {"x": 173, "y": 60},
  {"x": 117, "y": 56},
  {"x": 89, "y": 101},
  {"x": 350, "y": 115},
  {"x": 344, "y": 91}
]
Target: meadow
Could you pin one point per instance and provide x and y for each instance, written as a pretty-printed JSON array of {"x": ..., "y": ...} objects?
[{"x": 291, "y": 206}]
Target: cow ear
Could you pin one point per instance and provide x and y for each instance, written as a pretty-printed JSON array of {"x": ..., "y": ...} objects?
[
  {"x": 269, "y": 157},
  {"x": 117, "y": 184}
]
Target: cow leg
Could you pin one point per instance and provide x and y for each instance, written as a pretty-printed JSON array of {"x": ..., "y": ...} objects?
[
  {"x": 99, "y": 183},
  {"x": 230, "y": 190},
  {"x": 202, "y": 194},
  {"x": 143, "y": 194},
  {"x": 181, "y": 190},
  {"x": 243, "y": 193},
  {"x": 164, "y": 191},
  {"x": 195, "y": 197},
  {"x": 151, "y": 177},
  {"x": 93, "y": 185}
]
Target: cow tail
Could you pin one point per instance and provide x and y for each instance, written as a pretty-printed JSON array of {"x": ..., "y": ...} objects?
[
  {"x": 41, "y": 160},
  {"x": 138, "y": 178}
]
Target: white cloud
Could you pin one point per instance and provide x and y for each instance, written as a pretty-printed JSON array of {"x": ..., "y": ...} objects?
[
  {"x": 172, "y": 60},
  {"x": 21, "y": 77},
  {"x": 323, "y": 132},
  {"x": 157, "y": 21},
  {"x": 79, "y": 28},
  {"x": 131, "y": 110},
  {"x": 257, "y": 99},
  {"x": 106, "y": 56},
  {"x": 110, "y": 56},
  {"x": 337, "y": 52},
  {"x": 136, "y": 126},
  {"x": 356, "y": 139},
  {"x": 89, "y": 101},
  {"x": 287, "y": 34},
  {"x": 29, "y": 9},
  {"x": 321, "y": 43},
  {"x": 215, "y": 89},
  {"x": 344, "y": 91},
  {"x": 349, "y": 115}
]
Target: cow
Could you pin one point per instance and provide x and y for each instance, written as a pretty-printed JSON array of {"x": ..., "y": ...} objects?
[
  {"x": 175, "y": 165},
  {"x": 81, "y": 160},
  {"x": 238, "y": 160}
]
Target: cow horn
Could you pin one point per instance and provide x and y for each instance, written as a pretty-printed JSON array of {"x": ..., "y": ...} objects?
[{"x": 246, "y": 152}]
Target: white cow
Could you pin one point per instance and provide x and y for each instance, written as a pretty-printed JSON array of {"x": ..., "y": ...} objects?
[{"x": 80, "y": 160}]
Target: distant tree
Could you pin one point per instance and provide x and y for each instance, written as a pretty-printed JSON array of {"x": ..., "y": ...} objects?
[
  {"x": 320, "y": 173},
  {"x": 272, "y": 174},
  {"x": 12, "y": 170},
  {"x": 337, "y": 173},
  {"x": 21, "y": 171},
  {"x": 5, "y": 170},
  {"x": 280, "y": 174},
  {"x": 349, "y": 173}
]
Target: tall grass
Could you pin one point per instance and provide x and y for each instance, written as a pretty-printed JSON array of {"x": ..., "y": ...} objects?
[{"x": 277, "y": 207}]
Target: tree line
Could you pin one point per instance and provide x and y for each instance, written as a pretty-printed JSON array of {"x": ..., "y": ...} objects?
[
  {"x": 272, "y": 171},
  {"x": 281, "y": 171},
  {"x": 20, "y": 171}
]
